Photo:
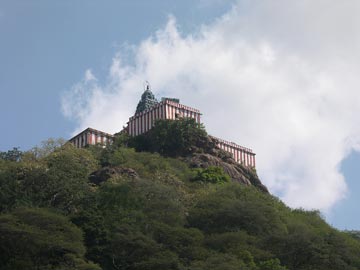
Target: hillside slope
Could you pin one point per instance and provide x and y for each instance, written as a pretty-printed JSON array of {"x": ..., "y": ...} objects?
[{"x": 116, "y": 208}]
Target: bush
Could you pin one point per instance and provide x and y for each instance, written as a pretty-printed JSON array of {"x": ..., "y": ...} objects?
[{"x": 212, "y": 174}]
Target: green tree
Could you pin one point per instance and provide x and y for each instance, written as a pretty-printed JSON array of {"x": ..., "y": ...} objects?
[
  {"x": 240, "y": 244},
  {"x": 310, "y": 243},
  {"x": 40, "y": 239},
  {"x": 187, "y": 243},
  {"x": 62, "y": 181},
  {"x": 12, "y": 155},
  {"x": 235, "y": 207},
  {"x": 47, "y": 147},
  {"x": 10, "y": 188},
  {"x": 173, "y": 138}
]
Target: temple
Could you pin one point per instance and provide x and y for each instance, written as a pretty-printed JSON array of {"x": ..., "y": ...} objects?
[
  {"x": 148, "y": 110},
  {"x": 91, "y": 136}
]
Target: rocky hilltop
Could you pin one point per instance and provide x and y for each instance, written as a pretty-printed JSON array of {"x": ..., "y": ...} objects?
[
  {"x": 236, "y": 171},
  {"x": 202, "y": 153}
]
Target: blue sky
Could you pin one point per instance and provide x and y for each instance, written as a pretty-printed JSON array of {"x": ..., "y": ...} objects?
[
  {"x": 46, "y": 46},
  {"x": 243, "y": 54}
]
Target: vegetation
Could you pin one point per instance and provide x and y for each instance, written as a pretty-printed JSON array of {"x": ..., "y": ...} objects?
[
  {"x": 166, "y": 216},
  {"x": 172, "y": 138},
  {"x": 212, "y": 174}
]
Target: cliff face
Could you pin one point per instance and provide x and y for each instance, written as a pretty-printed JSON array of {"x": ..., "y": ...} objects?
[
  {"x": 236, "y": 171},
  {"x": 207, "y": 154}
]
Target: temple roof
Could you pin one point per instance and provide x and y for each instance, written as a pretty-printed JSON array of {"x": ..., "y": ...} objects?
[{"x": 147, "y": 101}]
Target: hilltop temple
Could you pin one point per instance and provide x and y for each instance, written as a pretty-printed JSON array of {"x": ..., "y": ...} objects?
[{"x": 148, "y": 110}]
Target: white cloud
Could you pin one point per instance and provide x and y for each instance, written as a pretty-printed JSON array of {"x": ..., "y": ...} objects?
[{"x": 277, "y": 76}]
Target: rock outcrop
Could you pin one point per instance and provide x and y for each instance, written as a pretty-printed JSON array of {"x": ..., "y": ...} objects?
[
  {"x": 203, "y": 155},
  {"x": 236, "y": 171}
]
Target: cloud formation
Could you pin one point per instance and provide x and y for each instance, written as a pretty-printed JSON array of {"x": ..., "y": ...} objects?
[{"x": 277, "y": 76}]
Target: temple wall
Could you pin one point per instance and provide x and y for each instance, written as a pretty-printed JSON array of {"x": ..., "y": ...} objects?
[
  {"x": 91, "y": 137},
  {"x": 175, "y": 110},
  {"x": 142, "y": 122},
  {"x": 240, "y": 154}
]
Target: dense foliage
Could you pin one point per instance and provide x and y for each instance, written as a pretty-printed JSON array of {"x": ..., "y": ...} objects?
[
  {"x": 166, "y": 216},
  {"x": 172, "y": 138}
]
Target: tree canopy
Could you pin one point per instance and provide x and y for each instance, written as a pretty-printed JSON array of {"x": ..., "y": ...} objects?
[
  {"x": 152, "y": 211},
  {"x": 172, "y": 138}
]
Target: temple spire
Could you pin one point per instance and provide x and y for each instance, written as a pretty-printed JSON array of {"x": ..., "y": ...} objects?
[
  {"x": 147, "y": 100},
  {"x": 147, "y": 85}
]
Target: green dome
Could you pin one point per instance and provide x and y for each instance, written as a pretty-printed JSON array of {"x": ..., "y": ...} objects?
[{"x": 147, "y": 101}]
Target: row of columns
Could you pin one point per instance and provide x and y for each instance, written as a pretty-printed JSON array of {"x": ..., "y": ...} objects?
[
  {"x": 176, "y": 110},
  {"x": 240, "y": 154},
  {"x": 90, "y": 138},
  {"x": 80, "y": 140},
  {"x": 144, "y": 121}
]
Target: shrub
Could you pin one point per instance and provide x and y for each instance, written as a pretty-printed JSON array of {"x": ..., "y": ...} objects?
[{"x": 212, "y": 174}]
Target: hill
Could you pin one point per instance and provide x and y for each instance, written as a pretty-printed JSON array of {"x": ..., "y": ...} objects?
[{"x": 164, "y": 200}]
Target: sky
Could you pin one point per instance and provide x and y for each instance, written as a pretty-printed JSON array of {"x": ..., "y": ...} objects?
[{"x": 277, "y": 76}]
